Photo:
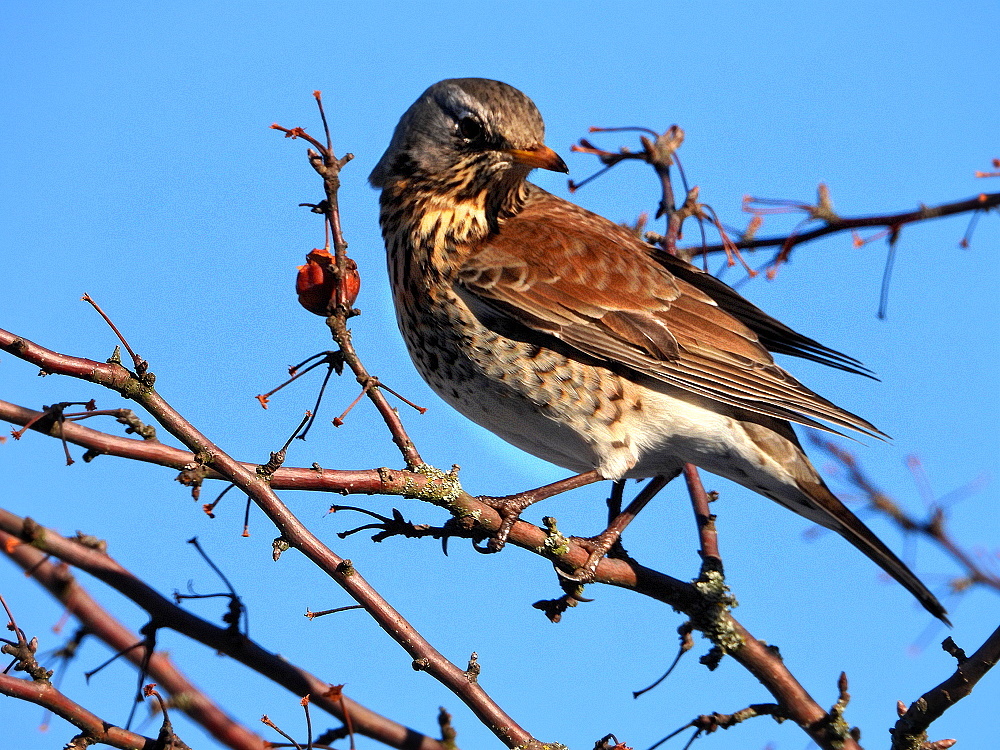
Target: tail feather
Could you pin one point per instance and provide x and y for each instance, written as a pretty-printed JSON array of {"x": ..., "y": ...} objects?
[
  {"x": 829, "y": 511},
  {"x": 813, "y": 500}
]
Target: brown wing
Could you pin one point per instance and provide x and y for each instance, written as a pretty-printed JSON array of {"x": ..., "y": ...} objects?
[{"x": 558, "y": 270}]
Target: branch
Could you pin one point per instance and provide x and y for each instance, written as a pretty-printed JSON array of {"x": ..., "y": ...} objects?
[
  {"x": 328, "y": 166},
  {"x": 659, "y": 152},
  {"x": 60, "y": 582},
  {"x": 293, "y": 532},
  {"x": 28, "y": 544},
  {"x": 425, "y": 486},
  {"x": 911, "y": 729},
  {"x": 95, "y": 729},
  {"x": 834, "y": 224},
  {"x": 703, "y": 516},
  {"x": 753, "y": 654}
]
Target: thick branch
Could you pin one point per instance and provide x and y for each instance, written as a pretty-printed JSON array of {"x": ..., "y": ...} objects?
[
  {"x": 100, "y": 623},
  {"x": 420, "y": 486}
]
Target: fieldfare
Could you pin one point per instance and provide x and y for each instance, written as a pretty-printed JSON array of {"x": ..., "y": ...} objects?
[{"x": 566, "y": 335}]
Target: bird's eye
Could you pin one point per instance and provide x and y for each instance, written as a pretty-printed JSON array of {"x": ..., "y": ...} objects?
[{"x": 470, "y": 128}]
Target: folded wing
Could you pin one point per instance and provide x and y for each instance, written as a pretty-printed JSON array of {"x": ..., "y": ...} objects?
[{"x": 657, "y": 317}]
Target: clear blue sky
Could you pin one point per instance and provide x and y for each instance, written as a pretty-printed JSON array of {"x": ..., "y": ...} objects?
[{"x": 138, "y": 166}]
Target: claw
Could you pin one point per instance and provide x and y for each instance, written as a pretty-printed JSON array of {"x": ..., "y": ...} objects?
[
  {"x": 609, "y": 540},
  {"x": 482, "y": 550},
  {"x": 499, "y": 540},
  {"x": 573, "y": 589},
  {"x": 582, "y": 575}
]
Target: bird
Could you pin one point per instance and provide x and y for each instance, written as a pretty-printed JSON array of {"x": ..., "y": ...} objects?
[{"x": 570, "y": 337}]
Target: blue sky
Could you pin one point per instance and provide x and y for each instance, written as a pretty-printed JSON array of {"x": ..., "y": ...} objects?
[{"x": 139, "y": 167}]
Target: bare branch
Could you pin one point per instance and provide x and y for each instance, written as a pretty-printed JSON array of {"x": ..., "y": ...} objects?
[
  {"x": 293, "y": 532},
  {"x": 30, "y": 553},
  {"x": 911, "y": 729},
  {"x": 95, "y": 729}
]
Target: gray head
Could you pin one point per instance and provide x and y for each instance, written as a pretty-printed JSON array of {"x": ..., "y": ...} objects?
[{"x": 463, "y": 124}]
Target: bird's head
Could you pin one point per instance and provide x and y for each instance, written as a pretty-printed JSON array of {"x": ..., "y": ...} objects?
[{"x": 466, "y": 136}]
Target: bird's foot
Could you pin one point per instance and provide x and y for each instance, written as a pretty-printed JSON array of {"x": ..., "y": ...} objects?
[
  {"x": 510, "y": 508},
  {"x": 607, "y": 540},
  {"x": 605, "y": 544}
]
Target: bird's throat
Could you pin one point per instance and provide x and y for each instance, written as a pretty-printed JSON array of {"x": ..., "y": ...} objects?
[{"x": 445, "y": 221}]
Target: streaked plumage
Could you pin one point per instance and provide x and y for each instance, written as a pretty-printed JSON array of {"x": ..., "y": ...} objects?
[{"x": 570, "y": 338}]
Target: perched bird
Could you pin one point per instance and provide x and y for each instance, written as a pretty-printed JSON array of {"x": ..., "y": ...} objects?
[{"x": 566, "y": 335}]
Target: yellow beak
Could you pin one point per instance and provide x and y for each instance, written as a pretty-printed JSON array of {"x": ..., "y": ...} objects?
[{"x": 539, "y": 156}]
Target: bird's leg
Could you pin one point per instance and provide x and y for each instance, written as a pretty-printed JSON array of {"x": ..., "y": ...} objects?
[
  {"x": 604, "y": 541},
  {"x": 615, "y": 500},
  {"x": 510, "y": 507}
]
